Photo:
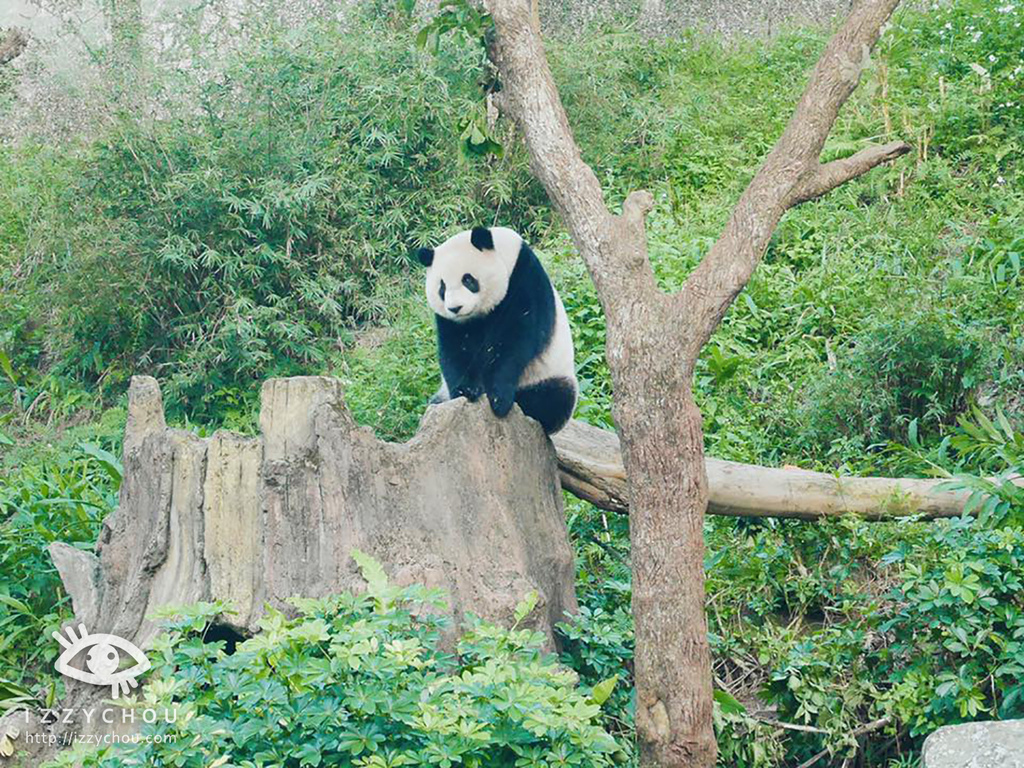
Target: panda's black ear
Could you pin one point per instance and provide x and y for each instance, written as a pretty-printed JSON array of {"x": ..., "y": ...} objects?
[
  {"x": 426, "y": 256},
  {"x": 481, "y": 239}
]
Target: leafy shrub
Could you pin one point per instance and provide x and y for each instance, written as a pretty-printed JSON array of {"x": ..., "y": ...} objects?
[
  {"x": 996, "y": 501},
  {"x": 955, "y": 650},
  {"x": 919, "y": 369},
  {"x": 57, "y": 501},
  {"x": 242, "y": 235},
  {"x": 599, "y": 646},
  {"x": 838, "y": 626},
  {"x": 359, "y": 680}
]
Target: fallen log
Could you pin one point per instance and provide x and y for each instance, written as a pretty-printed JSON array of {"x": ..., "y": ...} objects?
[{"x": 590, "y": 467}]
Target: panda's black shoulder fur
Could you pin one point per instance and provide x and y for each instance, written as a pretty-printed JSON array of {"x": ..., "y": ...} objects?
[{"x": 489, "y": 354}]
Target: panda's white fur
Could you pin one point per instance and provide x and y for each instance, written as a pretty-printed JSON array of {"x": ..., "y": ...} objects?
[
  {"x": 506, "y": 328},
  {"x": 559, "y": 359},
  {"x": 457, "y": 256}
]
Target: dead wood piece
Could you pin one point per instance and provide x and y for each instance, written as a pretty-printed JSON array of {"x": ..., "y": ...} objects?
[{"x": 590, "y": 465}]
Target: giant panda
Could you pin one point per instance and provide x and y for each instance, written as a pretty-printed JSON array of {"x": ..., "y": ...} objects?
[{"x": 501, "y": 327}]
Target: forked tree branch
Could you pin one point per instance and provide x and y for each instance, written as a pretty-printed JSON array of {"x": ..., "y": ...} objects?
[
  {"x": 831, "y": 175},
  {"x": 791, "y": 174}
]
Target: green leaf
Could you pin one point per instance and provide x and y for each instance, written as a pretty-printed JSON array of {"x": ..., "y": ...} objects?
[
  {"x": 373, "y": 572},
  {"x": 728, "y": 703},
  {"x": 526, "y": 606},
  {"x": 6, "y": 367},
  {"x": 600, "y": 693},
  {"x": 107, "y": 461},
  {"x": 16, "y": 604}
]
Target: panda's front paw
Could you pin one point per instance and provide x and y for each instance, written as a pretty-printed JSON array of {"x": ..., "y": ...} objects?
[
  {"x": 501, "y": 402},
  {"x": 471, "y": 392}
]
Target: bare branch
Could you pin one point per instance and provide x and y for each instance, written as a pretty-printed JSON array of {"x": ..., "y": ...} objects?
[
  {"x": 638, "y": 205},
  {"x": 831, "y": 175},
  {"x": 729, "y": 264},
  {"x": 12, "y": 45},
  {"x": 532, "y": 98}
]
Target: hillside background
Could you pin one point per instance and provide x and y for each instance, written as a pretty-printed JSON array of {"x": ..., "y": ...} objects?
[{"x": 242, "y": 202}]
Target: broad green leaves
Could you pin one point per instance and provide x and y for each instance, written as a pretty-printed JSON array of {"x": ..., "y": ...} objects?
[{"x": 355, "y": 681}]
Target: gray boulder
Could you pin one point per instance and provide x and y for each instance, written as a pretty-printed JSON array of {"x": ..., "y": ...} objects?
[{"x": 997, "y": 744}]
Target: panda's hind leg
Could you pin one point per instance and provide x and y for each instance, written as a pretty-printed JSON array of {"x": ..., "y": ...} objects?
[{"x": 551, "y": 402}]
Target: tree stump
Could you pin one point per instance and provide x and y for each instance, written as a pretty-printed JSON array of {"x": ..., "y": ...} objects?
[{"x": 471, "y": 504}]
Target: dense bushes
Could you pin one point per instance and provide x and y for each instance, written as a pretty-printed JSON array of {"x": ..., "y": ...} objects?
[
  {"x": 250, "y": 226},
  {"x": 360, "y": 681},
  {"x": 831, "y": 627},
  {"x": 917, "y": 370},
  {"x": 62, "y": 500},
  {"x": 242, "y": 236}
]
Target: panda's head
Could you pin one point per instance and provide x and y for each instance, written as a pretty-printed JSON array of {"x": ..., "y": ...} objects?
[{"x": 468, "y": 274}]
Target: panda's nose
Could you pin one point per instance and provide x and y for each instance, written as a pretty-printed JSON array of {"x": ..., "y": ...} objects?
[{"x": 455, "y": 310}]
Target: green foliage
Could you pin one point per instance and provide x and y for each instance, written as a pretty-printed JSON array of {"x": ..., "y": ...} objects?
[
  {"x": 976, "y": 45},
  {"x": 888, "y": 312},
  {"x": 832, "y": 625},
  {"x": 599, "y": 646},
  {"x": 244, "y": 235},
  {"x": 919, "y": 369},
  {"x": 466, "y": 20},
  {"x": 61, "y": 501},
  {"x": 957, "y": 634},
  {"x": 390, "y": 372},
  {"x": 360, "y": 680},
  {"x": 997, "y": 500}
]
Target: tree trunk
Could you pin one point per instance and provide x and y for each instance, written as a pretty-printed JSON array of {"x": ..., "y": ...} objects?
[
  {"x": 669, "y": 493},
  {"x": 659, "y": 426},
  {"x": 654, "y": 339}
]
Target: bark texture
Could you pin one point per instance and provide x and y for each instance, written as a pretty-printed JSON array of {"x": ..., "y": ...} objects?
[
  {"x": 590, "y": 466},
  {"x": 471, "y": 504},
  {"x": 653, "y": 340},
  {"x": 255, "y": 520}
]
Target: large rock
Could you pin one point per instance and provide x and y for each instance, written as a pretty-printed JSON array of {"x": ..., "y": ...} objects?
[
  {"x": 976, "y": 745},
  {"x": 471, "y": 504}
]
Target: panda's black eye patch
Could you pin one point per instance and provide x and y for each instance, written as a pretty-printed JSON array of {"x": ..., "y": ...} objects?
[
  {"x": 440, "y": 291},
  {"x": 471, "y": 283}
]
